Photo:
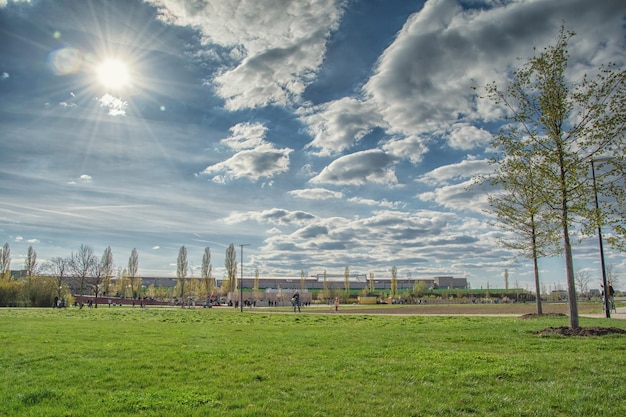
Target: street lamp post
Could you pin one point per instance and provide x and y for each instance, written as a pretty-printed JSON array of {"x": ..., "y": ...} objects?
[
  {"x": 241, "y": 280},
  {"x": 602, "y": 264}
]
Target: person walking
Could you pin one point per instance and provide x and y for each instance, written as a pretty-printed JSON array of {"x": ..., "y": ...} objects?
[
  {"x": 295, "y": 300},
  {"x": 336, "y": 304}
]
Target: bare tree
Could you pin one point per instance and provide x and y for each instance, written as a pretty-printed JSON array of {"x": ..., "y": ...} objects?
[
  {"x": 346, "y": 281},
  {"x": 5, "y": 261},
  {"x": 133, "y": 264},
  {"x": 611, "y": 276},
  {"x": 583, "y": 278},
  {"x": 58, "y": 269},
  {"x": 182, "y": 266},
  {"x": 96, "y": 280},
  {"x": 82, "y": 264}
]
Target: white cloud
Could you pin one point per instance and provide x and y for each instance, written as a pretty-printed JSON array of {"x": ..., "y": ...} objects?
[
  {"x": 83, "y": 179},
  {"x": 412, "y": 148},
  {"x": 316, "y": 194},
  {"x": 423, "y": 82},
  {"x": 273, "y": 216},
  {"x": 255, "y": 158},
  {"x": 465, "y": 169},
  {"x": 367, "y": 167},
  {"x": 459, "y": 197},
  {"x": 245, "y": 136},
  {"x": 377, "y": 203},
  {"x": 465, "y": 137},
  {"x": 116, "y": 106},
  {"x": 279, "y": 44},
  {"x": 338, "y": 125}
]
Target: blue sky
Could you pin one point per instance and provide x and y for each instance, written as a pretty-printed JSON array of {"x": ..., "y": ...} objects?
[{"x": 323, "y": 133}]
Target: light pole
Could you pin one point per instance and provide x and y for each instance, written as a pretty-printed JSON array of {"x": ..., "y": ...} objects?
[
  {"x": 602, "y": 265},
  {"x": 241, "y": 280}
]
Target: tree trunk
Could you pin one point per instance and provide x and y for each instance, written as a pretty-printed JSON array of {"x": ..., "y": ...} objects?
[
  {"x": 571, "y": 281},
  {"x": 537, "y": 285}
]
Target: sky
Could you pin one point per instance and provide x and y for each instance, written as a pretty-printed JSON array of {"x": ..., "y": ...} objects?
[{"x": 321, "y": 134}]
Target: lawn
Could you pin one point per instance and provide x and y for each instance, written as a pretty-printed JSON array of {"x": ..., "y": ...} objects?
[{"x": 213, "y": 362}]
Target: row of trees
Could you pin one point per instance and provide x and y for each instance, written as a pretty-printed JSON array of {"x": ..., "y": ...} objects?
[
  {"x": 84, "y": 273},
  {"x": 557, "y": 131}
]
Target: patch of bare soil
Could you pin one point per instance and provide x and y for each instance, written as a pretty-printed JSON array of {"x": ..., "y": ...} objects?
[{"x": 581, "y": 331}]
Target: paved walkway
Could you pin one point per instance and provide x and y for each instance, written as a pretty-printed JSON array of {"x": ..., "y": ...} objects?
[{"x": 620, "y": 314}]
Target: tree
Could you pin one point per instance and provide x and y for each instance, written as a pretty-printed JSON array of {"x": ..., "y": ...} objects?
[
  {"x": 230, "y": 263},
  {"x": 518, "y": 207},
  {"x": 325, "y": 294},
  {"x": 82, "y": 265},
  {"x": 96, "y": 280},
  {"x": 256, "y": 284},
  {"x": 420, "y": 288},
  {"x": 5, "y": 262},
  {"x": 346, "y": 281},
  {"x": 582, "y": 280},
  {"x": 106, "y": 264},
  {"x": 562, "y": 126},
  {"x": 30, "y": 263},
  {"x": 302, "y": 280},
  {"x": 58, "y": 269},
  {"x": 394, "y": 282},
  {"x": 206, "y": 271},
  {"x": 611, "y": 276},
  {"x": 506, "y": 280},
  {"x": 133, "y": 265},
  {"x": 181, "y": 271},
  {"x": 371, "y": 282}
]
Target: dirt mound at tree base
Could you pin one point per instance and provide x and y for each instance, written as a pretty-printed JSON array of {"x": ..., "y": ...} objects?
[
  {"x": 580, "y": 331},
  {"x": 535, "y": 315}
]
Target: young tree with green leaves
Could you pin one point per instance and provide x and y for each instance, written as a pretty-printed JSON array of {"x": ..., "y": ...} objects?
[
  {"x": 106, "y": 264},
  {"x": 133, "y": 265},
  {"x": 562, "y": 126},
  {"x": 230, "y": 263},
  {"x": 346, "y": 281},
  {"x": 518, "y": 207},
  {"x": 206, "y": 272},
  {"x": 30, "y": 263},
  {"x": 394, "y": 282},
  {"x": 182, "y": 265},
  {"x": 5, "y": 262}
]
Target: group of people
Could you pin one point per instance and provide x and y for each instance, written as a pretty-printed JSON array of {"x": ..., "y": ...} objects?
[{"x": 295, "y": 301}]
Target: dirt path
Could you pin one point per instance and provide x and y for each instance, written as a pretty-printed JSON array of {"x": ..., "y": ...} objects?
[{"x": 586, "y": 310}]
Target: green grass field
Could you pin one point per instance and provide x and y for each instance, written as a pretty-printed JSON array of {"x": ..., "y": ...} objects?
[{"x": 214, "y": 362}]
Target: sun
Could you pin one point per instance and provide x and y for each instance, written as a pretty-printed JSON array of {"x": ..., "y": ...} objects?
[{"x": 113, "y": 74}]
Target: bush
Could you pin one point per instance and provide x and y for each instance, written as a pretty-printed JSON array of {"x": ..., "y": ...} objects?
[{"x": 11, "y": 294}]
